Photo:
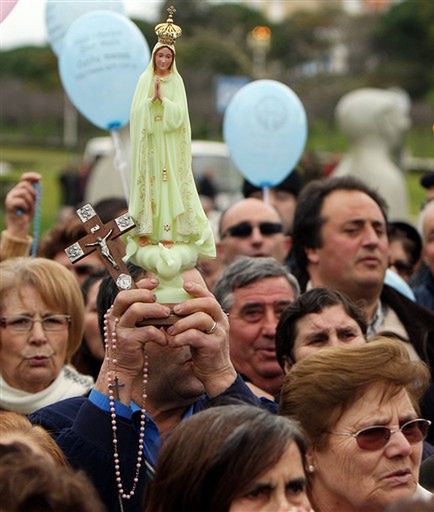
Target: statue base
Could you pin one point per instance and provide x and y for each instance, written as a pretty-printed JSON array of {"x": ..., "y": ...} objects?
[{"x": 167, "y": 263}]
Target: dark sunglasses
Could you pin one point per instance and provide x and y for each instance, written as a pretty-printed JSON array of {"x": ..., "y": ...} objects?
[
  {"x": 376, "y": 437},
  {"x": 84, "y": 270},
  {"x": 245, "y": 229},
  {"x": 402, "y": 267}
]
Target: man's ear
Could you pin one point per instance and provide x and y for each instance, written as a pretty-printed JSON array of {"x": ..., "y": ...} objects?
[{"x": 312, "y": 254}]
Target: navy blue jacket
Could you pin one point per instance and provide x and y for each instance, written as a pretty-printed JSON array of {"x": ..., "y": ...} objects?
[{"x": 83, "y": 431}]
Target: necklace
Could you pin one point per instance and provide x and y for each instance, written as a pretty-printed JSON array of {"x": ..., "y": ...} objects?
[{"x": 110, "y": 341}]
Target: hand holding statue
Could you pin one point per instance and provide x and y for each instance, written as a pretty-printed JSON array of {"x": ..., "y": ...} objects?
[{"x": 202, "y": 334}]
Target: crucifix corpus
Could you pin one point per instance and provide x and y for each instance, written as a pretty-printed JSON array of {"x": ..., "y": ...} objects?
[{"x": 103, "y": 238}]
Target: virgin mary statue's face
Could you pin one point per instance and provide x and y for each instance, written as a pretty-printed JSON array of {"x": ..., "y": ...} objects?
[{"x": 163, "y": 60}]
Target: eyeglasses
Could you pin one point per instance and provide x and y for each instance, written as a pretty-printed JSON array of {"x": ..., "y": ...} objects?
[
  {"x": 84, "y": 270},
  {"x": 402, "y": 267},
  {"x": 53, "y": 323},
  {"x": 376, "y": 437},
  {"x": 245, "y": 229}
]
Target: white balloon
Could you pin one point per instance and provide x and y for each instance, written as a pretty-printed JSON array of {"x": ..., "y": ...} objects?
[{"x": 60, "y": 14}]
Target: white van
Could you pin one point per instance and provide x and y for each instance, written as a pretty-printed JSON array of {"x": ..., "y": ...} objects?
[{"x": 208, "y": 158}]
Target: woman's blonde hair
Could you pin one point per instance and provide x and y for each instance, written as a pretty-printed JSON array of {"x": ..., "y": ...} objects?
[
  {"x": 56, "y": 285},
  {"x": 16, "y": 427},
  {"x": 319, "y": 389}
]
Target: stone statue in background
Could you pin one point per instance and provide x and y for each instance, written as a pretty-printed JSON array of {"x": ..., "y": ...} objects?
[{"x": 375, "y": 122}]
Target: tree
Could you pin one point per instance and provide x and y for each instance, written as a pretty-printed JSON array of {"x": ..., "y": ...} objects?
[
  {"x": 34, "y": 64},
  {"x": 405, "y": 41}
]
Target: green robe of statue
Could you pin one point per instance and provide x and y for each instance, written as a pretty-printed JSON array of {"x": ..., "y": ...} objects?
[{"x": 164, "y": 202}]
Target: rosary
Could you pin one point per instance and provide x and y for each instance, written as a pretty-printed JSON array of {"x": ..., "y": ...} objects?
[{"x": 110, "y": 341}]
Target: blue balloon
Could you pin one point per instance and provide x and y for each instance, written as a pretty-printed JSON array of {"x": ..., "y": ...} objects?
[
  {"x": 60, "y": 14},
  {"x": 265, "y": 128},
  {"x": 103, "y": 55}
]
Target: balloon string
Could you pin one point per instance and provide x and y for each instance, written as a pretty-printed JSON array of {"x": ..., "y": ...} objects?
[
  {"x": 120, "y": 162},
  {"x": 266, "y": 195},
  {"x": 37, "y": 218}
]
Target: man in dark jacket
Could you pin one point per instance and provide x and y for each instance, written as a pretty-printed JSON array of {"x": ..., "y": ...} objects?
[
  {"x": 340, "y": 241},
  {"x": 152, "y": 378}
]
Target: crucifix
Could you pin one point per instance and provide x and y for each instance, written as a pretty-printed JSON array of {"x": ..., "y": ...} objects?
[
  {"x": 103, "y": 238},
  {"x": 116, "y": 386}
]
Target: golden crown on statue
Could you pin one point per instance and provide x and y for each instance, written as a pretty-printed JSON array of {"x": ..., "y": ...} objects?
[{"x": 168, "y": 32}]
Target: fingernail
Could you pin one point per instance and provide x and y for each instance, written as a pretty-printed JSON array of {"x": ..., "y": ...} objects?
[
  {"x": 154, "y": 281},
  {"x": 170, "y": 330},
  {"x": 188, "y": 285}
]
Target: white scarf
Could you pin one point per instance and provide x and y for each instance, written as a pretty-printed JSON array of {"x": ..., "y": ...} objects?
[
  {"x": 422, "y": 493},
  {"x": 69, "y": 383}
]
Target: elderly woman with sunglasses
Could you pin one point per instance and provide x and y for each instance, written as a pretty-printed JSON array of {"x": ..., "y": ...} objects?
[
  {"x": 41, "y": 326},
  {"x": 359, "y": 408}
]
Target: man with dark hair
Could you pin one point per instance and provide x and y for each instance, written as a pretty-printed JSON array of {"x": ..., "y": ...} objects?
[
  {"x": 340, "y": 242},
  {"x": 317, "y": 319},
  {"x": 152, "y": 377},
  {"x": 254, "y": 292}
]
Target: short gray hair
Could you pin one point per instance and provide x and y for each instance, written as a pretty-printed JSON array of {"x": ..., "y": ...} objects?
[{"x": 245, "y": 270}]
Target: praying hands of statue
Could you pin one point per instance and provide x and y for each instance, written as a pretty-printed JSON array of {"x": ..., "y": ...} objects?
[
  {"x": 203, "y": 329},
  {"x": 157, "y": 92}
]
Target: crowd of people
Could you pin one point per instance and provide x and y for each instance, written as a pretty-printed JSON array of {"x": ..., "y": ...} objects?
[
  {"x": 219, "y": 411},
  {"x": 296, "y": 377}
]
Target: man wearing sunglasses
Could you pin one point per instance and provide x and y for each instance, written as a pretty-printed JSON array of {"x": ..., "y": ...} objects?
[
  {"x": 282, "y": 196},
  {"x": 252, "y": 228}
]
